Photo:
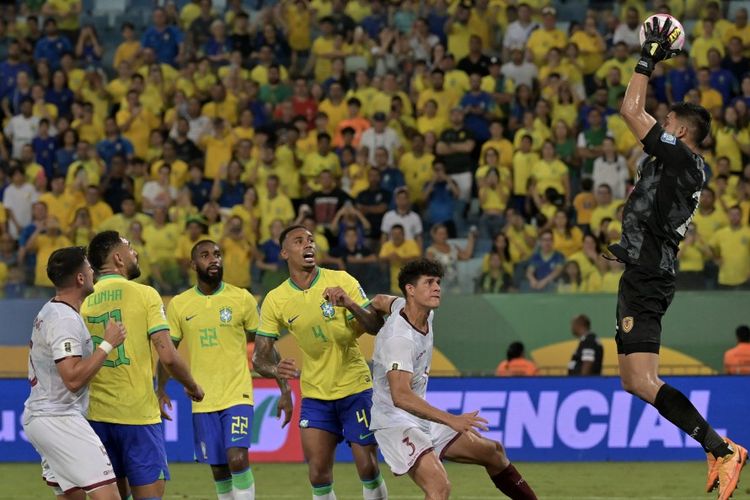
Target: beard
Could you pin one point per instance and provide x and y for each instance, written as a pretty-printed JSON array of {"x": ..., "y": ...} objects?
[
  {"x": 133, "y": 270},
  {"x": 209, "y": 279}
]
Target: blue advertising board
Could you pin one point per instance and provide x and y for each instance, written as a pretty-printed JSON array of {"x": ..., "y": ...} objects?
[{"x": 537, "y": 419}]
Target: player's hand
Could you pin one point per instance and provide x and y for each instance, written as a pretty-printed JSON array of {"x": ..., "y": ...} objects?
[
  {"x": 195, "y": 393},
  {"x": 115, "y": 333},
  {"x": 164, "y": 402},
  {"x": 337, "y": 296},
  {"x": 658, "y": 43},
  {"x": 285, "y": 405},
  {"x": 468, "y": 422},
  {"x": 287, "y": 369}
]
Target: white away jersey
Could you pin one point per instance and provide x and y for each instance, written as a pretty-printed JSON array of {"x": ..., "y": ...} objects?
[
  {"x": 59, "y": 332},
  {"x": 399, "y": 346}
]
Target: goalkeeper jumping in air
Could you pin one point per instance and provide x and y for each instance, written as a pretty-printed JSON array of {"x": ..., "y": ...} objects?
[{"x": 654, "y": 223}]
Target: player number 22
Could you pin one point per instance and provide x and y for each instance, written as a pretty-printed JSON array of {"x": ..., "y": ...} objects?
[
  {"x": 114, "y": 315},
  {"x": 239, "y": 425}
]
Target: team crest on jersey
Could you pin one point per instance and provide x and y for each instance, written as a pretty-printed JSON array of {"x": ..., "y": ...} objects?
[
  {"x": 225, "y": 314},
  {"x": 328, "y": 310},
  {"x": 627, "y": 324},
  {"x": 668, "y": 138}
]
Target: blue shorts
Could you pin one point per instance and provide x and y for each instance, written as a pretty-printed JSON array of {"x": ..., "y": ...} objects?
[
  {"x": 216, "y": 431},
  {"x": 347, "y": 418},
  {"x": 137, "y": 452}
]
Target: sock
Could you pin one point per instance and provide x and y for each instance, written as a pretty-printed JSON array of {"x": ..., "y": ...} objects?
[
  {"x": 323, "y": 492},
  {"x": 224, "y": 489},
  {"x": 675, "y": 407},
  {"x": 510, "y": 482},
  {"x": 374, "y": 489},
  {"x": 243, "y": 485}
]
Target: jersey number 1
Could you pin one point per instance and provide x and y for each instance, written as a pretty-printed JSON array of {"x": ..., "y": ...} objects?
[{"x": 114, "y": 315}]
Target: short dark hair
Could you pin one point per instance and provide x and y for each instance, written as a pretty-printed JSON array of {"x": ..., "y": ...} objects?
[
  {"x": 698, "y": 119},
  {"x": 515, "y": 350},
  {"x": 101, "y": 246},
  {"x": 288, "y": 230},
  {"x": 64, "y": 264},
  {"x": 411, "y": 272},
  {"x": 743, "y": 333},
  {"x": 584, "y": 320},
  {"x": 194, "y": 250}
]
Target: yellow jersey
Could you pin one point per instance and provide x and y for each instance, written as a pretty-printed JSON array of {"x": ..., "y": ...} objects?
[
  {"x": 123, "y": 390},
  {"x": 333, "y": 366},
  {"x": 236, "y": 254},
  {"x": 45, "y": 245},
  {"x": 214, "y": 328},
  {"x": 417, "y": 172},
  {"x": 733, "y": 246}
]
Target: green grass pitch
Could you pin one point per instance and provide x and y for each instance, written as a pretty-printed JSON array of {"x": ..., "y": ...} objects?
[{"x": 580, "y": 481}]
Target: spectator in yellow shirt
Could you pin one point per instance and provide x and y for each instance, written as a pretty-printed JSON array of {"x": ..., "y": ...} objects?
[
  {"x": 606, "y": 207},
  {"x": 701, "y": 45},
  {"x": 740, "y": 29},
  {"x": 136, "y": 122},
  {"x": 445, "y": 99},
  {"x": 710, "y": 98},
  {"x": 459, "y": 31},
  {"x": 322, "y": 51},
  {"x": 621, "y": 60},
  {"x": 128, "y": 49},
  {"x": 222, "y": 105},
  {"x": 416, "y": 166},
  {"x": 334, "y": 106},
  {"x": 493, "y": 199},
  {"x": 550, "y": 172},
  {"x": 731, "y": 247},
  {"x": 218, "y": 147},
  {"x": 547, "y": 36},
  {"x": 398, "y": 251},
  {"x": 99, "y": 211},
  {"x": 47, "y": 238},
  {"x": 430, "y": 120}
]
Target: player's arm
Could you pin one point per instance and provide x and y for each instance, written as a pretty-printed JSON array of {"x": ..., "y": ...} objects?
[
  {"x": 366, "y": 316},
  {"x": 268, "y": 363},
  {"x": 76, "y": 372},
  {"x": 173, "y": 363},
  {"x": 656, "y": 47},
  {"x": 383, "y": 303}
]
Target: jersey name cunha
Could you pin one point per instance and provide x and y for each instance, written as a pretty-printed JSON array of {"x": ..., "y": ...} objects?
[
  {"x": 123, "y": 390},
  {"x": 333, "y": 366},
  {"x": 214, "y": 328}
]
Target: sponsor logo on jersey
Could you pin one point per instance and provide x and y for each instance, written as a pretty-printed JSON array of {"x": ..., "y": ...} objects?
[
  {"x": 225, "y": 314},
  {"x": 67, "y": 347}
]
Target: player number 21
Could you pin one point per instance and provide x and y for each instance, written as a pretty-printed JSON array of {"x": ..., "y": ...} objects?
[
  {"x": 114, "y": 315},
  {"x": 239, "y": 425}
]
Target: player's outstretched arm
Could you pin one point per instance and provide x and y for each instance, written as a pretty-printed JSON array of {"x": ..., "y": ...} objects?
[
  {"x": 77, "y": 372},
  {"x": 266, "y": 360},
  {"x": 656, "y": 47},
  {"x": 382, "y": 303},
  {"x": 404, "y": 398},
  {"x": 175, "y": 365},
  {"x": 367, "y": 317}
]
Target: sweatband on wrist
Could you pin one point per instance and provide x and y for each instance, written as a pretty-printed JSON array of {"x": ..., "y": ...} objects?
[
  {"x": 106, "y": 347},
  {"x": 645, "y": 66}
]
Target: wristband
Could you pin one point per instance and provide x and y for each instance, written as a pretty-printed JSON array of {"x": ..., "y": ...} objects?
[
  {"x": 106, "y": 347},
  {"x": 645, "y": 66}
]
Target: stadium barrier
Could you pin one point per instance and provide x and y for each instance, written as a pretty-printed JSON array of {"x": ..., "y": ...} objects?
[{"x": 537, "y": 419}]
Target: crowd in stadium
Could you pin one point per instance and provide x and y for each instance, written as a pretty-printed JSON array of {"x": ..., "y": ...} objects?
[{"x": 484, "y": 134}]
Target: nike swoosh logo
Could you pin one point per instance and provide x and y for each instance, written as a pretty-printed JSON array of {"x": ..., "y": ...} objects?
[
  {"x": 237, "y": 439},
  {"x": 365, "y": 436},
  {"x": 190, "y": 317},
  {"x": 291, "y": 320}
]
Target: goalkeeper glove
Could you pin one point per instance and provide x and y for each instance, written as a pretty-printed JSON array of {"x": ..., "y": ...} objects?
[{"x": 657, "y": 46}]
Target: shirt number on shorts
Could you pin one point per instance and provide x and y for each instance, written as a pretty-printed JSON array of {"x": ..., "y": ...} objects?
[
  {"x": 114, "y": 315},
  {"x": 409, "y": 444},
  {"x": 209, "y": 338},
  {"x": 239, "y": 425},
  {"x": 362, "y": 417}
]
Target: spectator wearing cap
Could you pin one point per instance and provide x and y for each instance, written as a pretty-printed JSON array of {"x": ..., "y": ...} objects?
[
  {"x": 519, "y": 30},
  {"x": 519, "y": 70},
  {"x": 455, "y": 148},
  {"x": 52, "y": 46},
  {"x": 381, "y": 136},
  {"x": 475, "y": 61},
  {"x": 737, "y": 359},
  {"x": 515, "y": 363},
  {"x": 165, "y": 40},
  {"x": 353, "y": 120},
  {"x": 458, "y": 30},
  {"x": 546, "y": 37}
]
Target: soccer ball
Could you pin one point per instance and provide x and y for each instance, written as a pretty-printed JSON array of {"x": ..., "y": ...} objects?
[{"x": 677, "y": 34}]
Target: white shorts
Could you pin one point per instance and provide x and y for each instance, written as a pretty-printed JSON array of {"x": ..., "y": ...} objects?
[
  {"x": 72, "y": 454},
  {"x": 403, "y": 446}
]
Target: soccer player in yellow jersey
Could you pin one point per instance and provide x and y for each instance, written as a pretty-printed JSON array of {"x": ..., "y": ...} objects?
[
  {"x": 325, "y": 311},
  {"x": 123, "y": 409},
  {"x": 214, "y": 319}
]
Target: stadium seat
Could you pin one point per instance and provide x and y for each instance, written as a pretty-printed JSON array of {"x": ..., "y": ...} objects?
[
  {"x": 735, "y": 5},
  {"x": 468, "y": 272},
  {"x": 110, "y": 8}
]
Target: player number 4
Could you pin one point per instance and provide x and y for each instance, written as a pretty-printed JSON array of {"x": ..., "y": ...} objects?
[
  {"x": 362, "y": 417},
  {"x": 103, "y": 319}
]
